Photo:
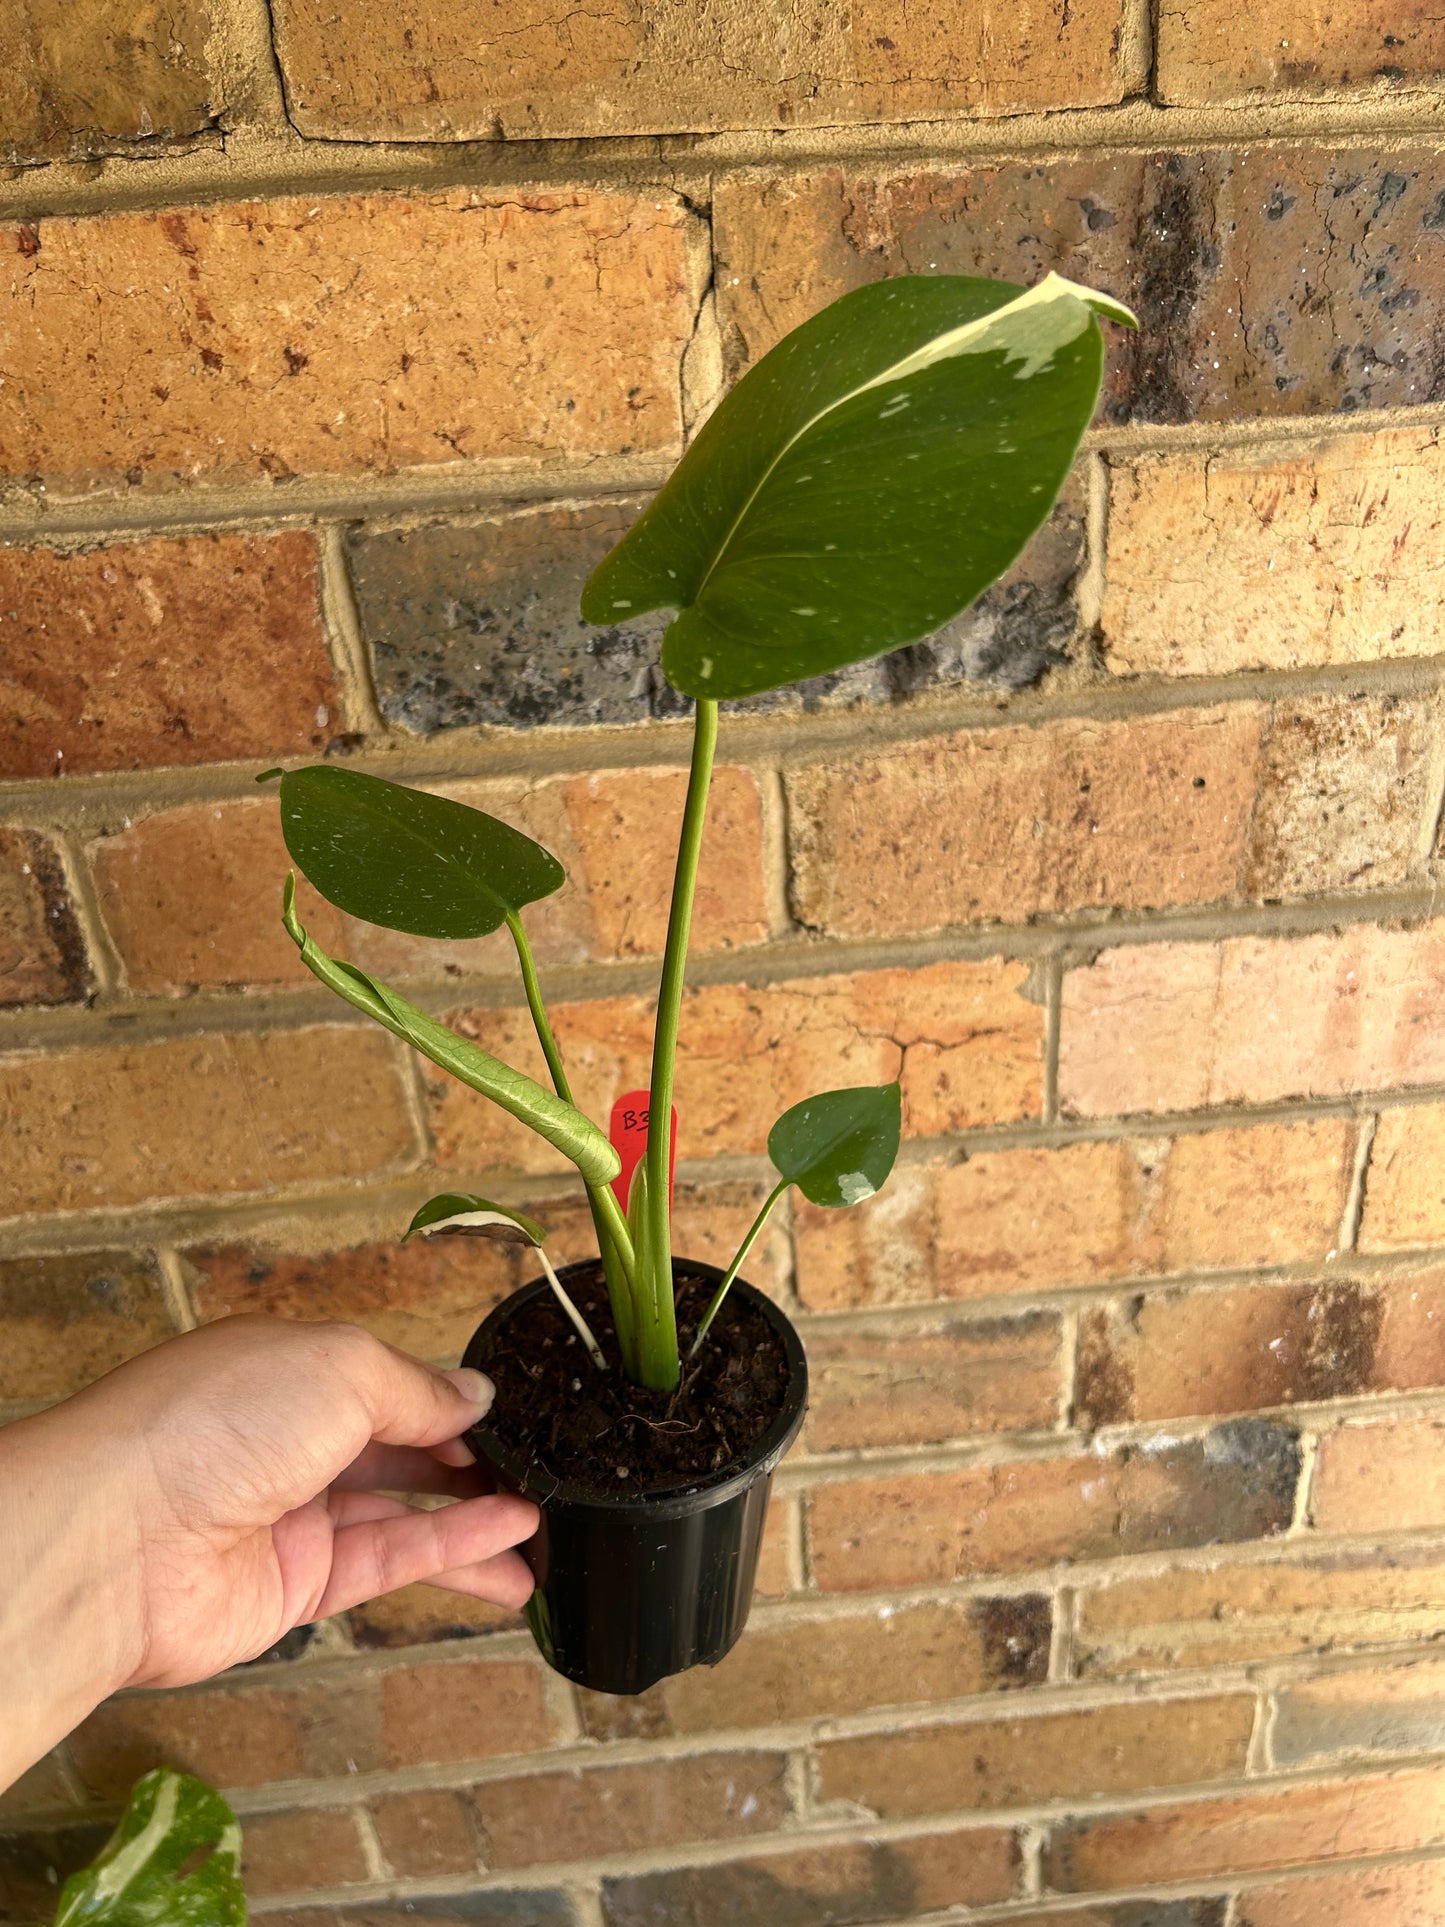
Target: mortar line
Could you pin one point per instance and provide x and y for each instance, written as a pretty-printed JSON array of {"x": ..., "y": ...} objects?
[
  {"x": 341, "y": 619},
  {"x": 1090, "y": 582},
  {"x": 1032, "y": 1838},
  {"x": 773, "y": 803},
  {"x": 1259, "y": 1760},
  {"x": 1066, "y": 1423},
  {"x": 587, "y": 1904},
  {"x": 1062, "y": 1636},
  {"x": 261, "y": 162},
  {"x": 783, "y": 739},
  {"x": 1053, "y": 969},
  {"x": 106, "y": 969},
  {"x": 174, "y": 1289},
  {"x": 1354, "y": 1207},
  {"x": 1301, "y": 1525},
  {"x": 485, "y": 489},
  {"x": 378, "y": 1868}
]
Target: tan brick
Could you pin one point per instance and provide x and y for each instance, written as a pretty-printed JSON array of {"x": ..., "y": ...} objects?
[
  {"x": 1231, "y": 1612},
  {"x": 471, "y": 1709},
  {"x": 802, "y": 1668},
  {"x": 1343, "y": 786},
  {"x": 928, "y": 1528},
  {"x": 124, "y": 77},
  {"x": 42, "y": 953},
  {"x": 285, "y": 1853},
  {"x": 1172, "y": 1026},
  {"x": 826, "y": 1886},
  {"x": 1387, "y": 1709},
  {"x": 425, "y": 1834},
  {"x": 965, "y": 1044},
  {"x": 110, "y": 656},
  {"x": 1020, "y": 1762},
  {"x": 198, "y": 1115},
  {"x": 1408, "y": 1896},
  {"x": 1334, "y": 553},
  {"x": 1404, "y": 1193},
  {"x": 1010, "y": 823},
  {"x": 1174, "y": 1354},
  {"x": 340, "y": 334},
  {"x": 774, "y": 1578},
  {"x": 191, "y": 896},
  {"x": 1210, "y": 1200},
  {"x": 543, "y": 73},
  {"x": 900, "y": 1385},
  {"x": 1378, "y": 1477},
  {"x": 1206, "y": 52},
  {"x": 882, "y": 1252},
  {"x": 632, "y": 1809},
  {"x": 1270, "y": 280},
  {"x": 1388, "y": 1813},
  {"x": 69, "y": 1318}
]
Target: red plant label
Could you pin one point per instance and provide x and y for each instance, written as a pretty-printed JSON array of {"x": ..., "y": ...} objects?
[{"x": 628, "y": 1132}]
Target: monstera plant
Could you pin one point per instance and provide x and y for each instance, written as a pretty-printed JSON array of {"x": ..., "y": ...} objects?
[
  {"x": 173, "y": 1861},
  {"x": 860, "y": 486}
]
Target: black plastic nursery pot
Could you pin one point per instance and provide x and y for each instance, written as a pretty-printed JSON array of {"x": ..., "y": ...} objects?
[{"x": 633, "y": 1587}]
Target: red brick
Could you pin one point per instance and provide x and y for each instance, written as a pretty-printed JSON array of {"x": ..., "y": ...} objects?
[
  {"x": 907, "y": 1385},
  {"x": 68, "y": 1319},
  {"x": 1330, "y": 553},
  {"x": 965, "y": 1044},
  {"x": 191, "y": 896},
  {"x": 1232, "y": 1612},
  {"x": 1021, "y": 1762},
  {"x": 1174, "y": 1354},
  {"x": 339, "y": 334},
  {"x": 1405, "y": 1896},
  {"x": 423, "y": 1615},
  {"x": 1245, "y": 1833},
  {"x": 1274, "y": 280},
  {"x": 1010, "y": 823},
  {"x": 110, "y": 656},
  {"x": 632, "y": 1809},
  {"x": 929, "y": 1528},
  {"x": 1404, "y": 1194},
  {"x": 213, "y": 1114},
  {"x": 285, "y": 1853},
  {"x": 425, "y": 1834},
  {"x": 42, "y": 953},
  {"x": 1380, "y": 1477},
  {"x": 44, "y": 1786},
  {"x": 471, "y": 1709},
  {"x": 839, "y": 1885},
  {"x": 1172, "y": 1026},
  {"x": 802, "y": 1668},
  {"x": 540, "y": 73},
  {"x": 1208, "y": 52},
  {"x": 122, "y": 79}
]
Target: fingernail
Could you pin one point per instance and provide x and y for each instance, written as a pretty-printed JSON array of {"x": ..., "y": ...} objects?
[{"x": 475, "y": 1387}]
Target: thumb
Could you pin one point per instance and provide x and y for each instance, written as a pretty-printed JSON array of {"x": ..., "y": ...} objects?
[{"x": 411, "y": 1404}]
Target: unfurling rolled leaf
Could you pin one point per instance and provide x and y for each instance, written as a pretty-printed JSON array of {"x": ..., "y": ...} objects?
[
  {"x": 458, "y": 1212},
  {"x": 174, "y": 1861},
  {"x": 875, "y": 472},
  {"x": 561, "y": 1124},
  {"x": 839, "y": 1147},
  {"x": 407, "y": 860}
]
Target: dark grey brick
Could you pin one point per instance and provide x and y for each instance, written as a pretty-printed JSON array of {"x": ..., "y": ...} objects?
[
  {"x": 498, "y": 1907},
  {"x": 477, "y": 623}
]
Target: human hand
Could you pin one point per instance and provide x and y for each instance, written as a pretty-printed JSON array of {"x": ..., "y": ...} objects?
[{"x": 185, "y": 1511}]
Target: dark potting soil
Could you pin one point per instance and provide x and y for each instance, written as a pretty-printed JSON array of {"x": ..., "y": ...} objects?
[{"x": 568, "y": 1420}]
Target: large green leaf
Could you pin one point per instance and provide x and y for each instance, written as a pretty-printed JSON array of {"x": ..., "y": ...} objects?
[
  {"x": 864, "y": 482},
  {"x": 174, "y": 1861},
  {"x": 839, "y": 1147},
  {"x": 408, "y": 860},
  {"x": 560, "y": 1123}
]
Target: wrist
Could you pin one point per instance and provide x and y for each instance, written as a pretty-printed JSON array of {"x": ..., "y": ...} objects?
[{"x": 71, "y": 1628}]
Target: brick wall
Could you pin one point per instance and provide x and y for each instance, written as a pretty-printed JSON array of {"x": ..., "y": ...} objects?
[{"x": 1104, "y": 1587}]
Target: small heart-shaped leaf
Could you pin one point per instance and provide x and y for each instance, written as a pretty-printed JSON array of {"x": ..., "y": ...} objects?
[
  {"x": 408, "y": 860},
  {"x": 839, "y": 1147},
  {"x": 458, "y": 1212}
]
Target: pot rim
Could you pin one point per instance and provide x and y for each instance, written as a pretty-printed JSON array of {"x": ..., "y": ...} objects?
[{"x": 661, "y": 1501}]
